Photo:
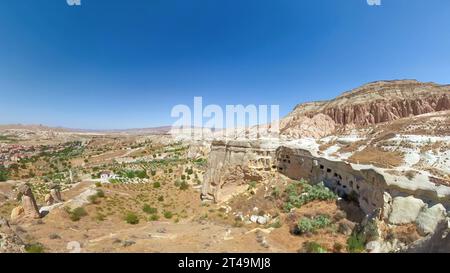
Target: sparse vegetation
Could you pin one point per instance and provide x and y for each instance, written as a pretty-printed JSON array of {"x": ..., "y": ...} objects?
[
  {"x": 4, "y": 173},
  {"x": 149, "y": 210},
  {"x": 307, "y": 225},
  {"x": 313, "y": 247},
  {"x": 300, "y": 193},
  {"x": 168, "y": 214},
  {"x": 184, "y": 186},
  {"x": 131, "y": 218},
  {"x": 76, "y": 214},
  {"x": 355, "y": 243},
  {"x": 34, "y": 248}
]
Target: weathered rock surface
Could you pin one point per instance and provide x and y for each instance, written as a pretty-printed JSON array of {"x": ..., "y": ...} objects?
[
  {"x": 438, "y": 242},
  {"x": 9, "y": 241},
  {"x": 381, "y": 102},
  {"x": 54, "y": 196},
  {"x": 318, "y": 126},
  {"x": 429, "y": 218},
  {"x": 405, "y": 210},
  {"x": 29, "y": 208},
  {"x": 235, "y": 163}
]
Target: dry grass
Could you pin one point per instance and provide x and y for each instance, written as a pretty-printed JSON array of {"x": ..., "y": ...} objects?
[
  {"x": 377, "y": 157},
  {"x": 433, "y": 146},
  {"x": 352, "y": 147}
]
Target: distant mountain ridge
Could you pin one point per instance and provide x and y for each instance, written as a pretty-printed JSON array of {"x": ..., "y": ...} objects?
[{"x": 380, "y": 101}]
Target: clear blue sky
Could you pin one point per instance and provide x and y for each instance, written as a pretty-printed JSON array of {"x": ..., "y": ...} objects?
[{"x": 125, "y": 63}]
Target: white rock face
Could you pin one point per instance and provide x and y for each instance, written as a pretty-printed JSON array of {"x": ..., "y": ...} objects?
[
  {"x": 405, "y": 210},
  {"x": 262, "y": 220},
  {"x": 429, "y": 218},
  {"x": 373, "y": 247}
]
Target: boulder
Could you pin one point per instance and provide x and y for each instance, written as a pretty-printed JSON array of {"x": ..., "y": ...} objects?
[
  {"x": 254, "y": 218},
  {"x": 405, "y": 210},
  {"x": 262, "y": 220},
  {"x": 429, "y": 218},
  {"x": 373, "y": 247}
]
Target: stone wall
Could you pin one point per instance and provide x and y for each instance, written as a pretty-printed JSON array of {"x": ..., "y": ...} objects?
[
  {"x": 366, "y": 186},
  {"x": 234, "y": 163}
]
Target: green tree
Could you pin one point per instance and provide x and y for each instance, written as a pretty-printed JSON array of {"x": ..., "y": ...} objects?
[{"x": 4, "y": 173}]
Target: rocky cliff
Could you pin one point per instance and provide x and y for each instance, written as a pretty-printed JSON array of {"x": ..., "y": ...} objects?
[{"x": 380, "y": 101}]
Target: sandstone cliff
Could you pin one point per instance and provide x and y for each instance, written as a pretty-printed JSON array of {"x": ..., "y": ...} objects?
[{"x": 380, "y": 102}]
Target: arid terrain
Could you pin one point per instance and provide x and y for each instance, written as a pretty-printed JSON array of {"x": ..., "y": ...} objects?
[{"x": 368, "y": 171}]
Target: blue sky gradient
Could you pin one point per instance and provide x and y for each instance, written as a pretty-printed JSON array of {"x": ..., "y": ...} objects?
[{"x": 125, "y": 64}]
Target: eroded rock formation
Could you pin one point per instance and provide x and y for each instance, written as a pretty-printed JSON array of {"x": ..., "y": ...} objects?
[
  {"x": 29, "y": 208},
  {"x": 54, "y": 196},
  {"x": 317, "y": 126},
  {"x": 380, "y": 102},
  {"x": 234, "y": 163}
]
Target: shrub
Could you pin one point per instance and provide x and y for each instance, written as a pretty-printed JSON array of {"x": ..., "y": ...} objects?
[
  {"x": 306, "y": 225},
  {"x": 168, "y": 214},
  {"x": 184, "y": 186},
  {"x": 98, "y": 184},
  {"x": 34, "y": 248},
  {"x": 149, "y": 210},
  {"x": 313, "y": 247},
  {"x": 156, "y": 185},
  {"x": 131, "y": 218},
  {"x": 161, "y": 198},
  {"x": 154, "y": 217},
  {"x": 93, "y": 199},
  {"x": 300, "y": 193},
  {"x": 100, "y": 217},
  {"x": 100, "y": 193},
  {"x": 276, "y": 192},
  {"x": 251, "y": 185},
  {"x": 276, "y": 224},
  {"x": 77, "y": 213},
  {"x": 356, "y": 243},
  {"x": 3, "y": 173}
]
